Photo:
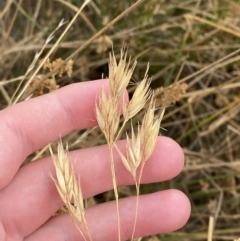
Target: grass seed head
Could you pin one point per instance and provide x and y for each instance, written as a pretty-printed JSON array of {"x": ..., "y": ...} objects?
[
  {"x": 40, "y": 87},
  {"x": 102, "y": 44},
  {"x": 134, "y": 153},
  {"x": 67, "y": 185},
  {"x": 139, "y": 99},
  {"x": 120, "y": 74},
  {"x": 66, "y": 68},
  {"x": 149, "y": 130},
  {"x": 108, "y": 116},
  {"x": 170, "y": 95}
]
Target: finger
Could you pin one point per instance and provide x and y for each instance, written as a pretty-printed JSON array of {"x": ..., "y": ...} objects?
[
  {"x": 33, "y": 187},
  {"x": 160, "y": 212},
  {"x": 32, "y": 124}
]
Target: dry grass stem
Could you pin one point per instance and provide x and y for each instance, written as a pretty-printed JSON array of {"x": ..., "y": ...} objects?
[
  {"x": 141, "y": 145},
  {"x": 69, "y": 187},
  {"x": 32, "y": 66},
  {"x": 51, "y": 50}
]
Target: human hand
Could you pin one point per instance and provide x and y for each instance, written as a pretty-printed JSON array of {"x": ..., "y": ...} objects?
[{"x": 28, "y": 196}]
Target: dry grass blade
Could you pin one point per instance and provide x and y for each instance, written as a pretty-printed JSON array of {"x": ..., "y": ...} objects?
[
  {"x": 32, "y": 66},
  {"x": 69, "y": 187},
  {"x": 210, "y": 228}
]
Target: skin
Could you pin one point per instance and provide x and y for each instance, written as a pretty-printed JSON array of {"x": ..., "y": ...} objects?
[{"x": 28, "y": 197}]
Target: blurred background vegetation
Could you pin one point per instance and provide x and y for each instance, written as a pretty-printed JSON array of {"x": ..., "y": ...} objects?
[{"x": 194, "y": 40}]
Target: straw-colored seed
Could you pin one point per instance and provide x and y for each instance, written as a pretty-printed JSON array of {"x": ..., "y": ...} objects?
[
  {"x": 67, "y": 185},
  {"x": 120, "y": 74},
  {"x": 139, "y": 99},
  {"x": 149, "y": 130},
  {"x": 107, "y": 116},
  {"x": 134, "y": 152}
]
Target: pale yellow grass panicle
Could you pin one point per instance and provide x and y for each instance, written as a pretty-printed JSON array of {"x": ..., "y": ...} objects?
[
  {"x": 139, "y": 99},
  {"x": 150, "y": 130},
  {"x": 107, "y": 109},
  {"x": 133, "y": 153},
  {"x": 68, "y": 186},
  {"x": 108, "y": 116},
  {"x": 141, "y": 145},
  {"x": 120, "y": 74}
]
